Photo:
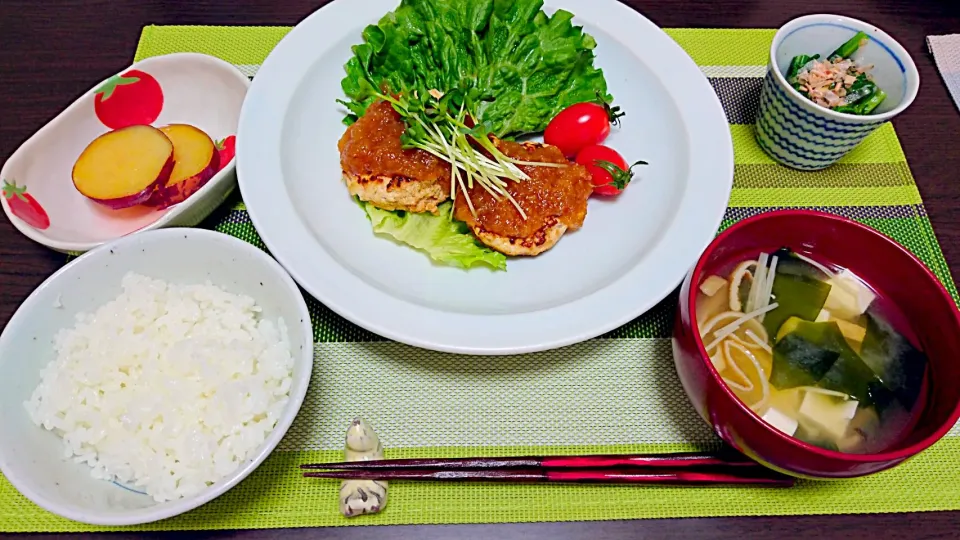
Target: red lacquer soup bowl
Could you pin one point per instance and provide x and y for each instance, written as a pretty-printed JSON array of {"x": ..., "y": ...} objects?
[{"x": 882, "y": 263}]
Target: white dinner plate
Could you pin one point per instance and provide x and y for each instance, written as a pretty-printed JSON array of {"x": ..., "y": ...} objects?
[{"x": 630, "y": 254}]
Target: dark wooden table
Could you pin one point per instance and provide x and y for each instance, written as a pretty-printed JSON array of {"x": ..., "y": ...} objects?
[{"x": 51, "y": 52}]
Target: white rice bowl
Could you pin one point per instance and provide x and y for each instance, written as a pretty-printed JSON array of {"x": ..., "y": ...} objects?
[
  {"x": 166, "y": 389},
  {"x": 45, "y": 332}
]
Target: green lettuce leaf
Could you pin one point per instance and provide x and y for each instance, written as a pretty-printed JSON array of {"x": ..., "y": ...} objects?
[
  {"x": 446, "y": 241},
  {"x": 528, "y": 65}
]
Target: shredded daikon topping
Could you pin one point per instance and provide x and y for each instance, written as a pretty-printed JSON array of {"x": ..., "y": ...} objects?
[
  {"x": 829, "y": 273},
  {"x": 756, "y": 339},
  {"x": 705, "y": 329},
  {"x": 732, "y": 327},
  {"x": 832, "y": 277},
  {"x": 768, "y": 285},
  {"x": 743, "y": 342},
  {"x": 759, "y": 282}
]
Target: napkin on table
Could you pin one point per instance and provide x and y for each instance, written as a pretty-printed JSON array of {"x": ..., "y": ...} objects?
[{"x": 946, "y": 53}]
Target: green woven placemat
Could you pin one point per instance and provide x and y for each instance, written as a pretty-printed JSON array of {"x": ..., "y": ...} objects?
[{"x": 610, "y": 395}]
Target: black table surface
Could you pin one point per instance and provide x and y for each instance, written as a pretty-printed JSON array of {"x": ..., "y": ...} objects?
[{"x": 51, "y": 52}]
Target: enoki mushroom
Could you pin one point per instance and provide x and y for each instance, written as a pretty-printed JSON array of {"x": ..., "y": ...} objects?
[{"x": 751, "y": 326}]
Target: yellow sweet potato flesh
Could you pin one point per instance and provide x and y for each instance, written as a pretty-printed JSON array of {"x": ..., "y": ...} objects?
[
  {"x": 124, "y": 165},
  {"x": 193, "y": 152}
]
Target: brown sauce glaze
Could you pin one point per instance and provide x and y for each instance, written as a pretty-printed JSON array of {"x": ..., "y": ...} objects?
[
  {"x": 371, "y": 146},
  {"x": 551, "y": 194}
]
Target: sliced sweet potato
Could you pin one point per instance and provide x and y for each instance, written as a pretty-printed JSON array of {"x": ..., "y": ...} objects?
[
  {"x": 196, "y": 160},
  {"x": 123, "y": 168}
]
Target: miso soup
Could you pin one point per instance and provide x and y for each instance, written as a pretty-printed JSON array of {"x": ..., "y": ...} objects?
[{"x": 813, "y": 351}]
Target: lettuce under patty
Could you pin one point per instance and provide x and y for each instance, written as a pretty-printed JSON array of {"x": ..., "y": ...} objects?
[{"x": 445, "y": 240}]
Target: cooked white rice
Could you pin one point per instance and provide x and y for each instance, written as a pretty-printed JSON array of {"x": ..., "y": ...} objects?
[{"x": 166, "y": 389}]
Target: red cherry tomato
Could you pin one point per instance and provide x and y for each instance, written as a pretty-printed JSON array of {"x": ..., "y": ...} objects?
[
  {"x": 608, "y": 169},
  {"x": 581, "y": 125}
]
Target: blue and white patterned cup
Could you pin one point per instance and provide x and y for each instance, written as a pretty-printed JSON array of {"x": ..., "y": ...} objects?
[{"x": 803, "y": 135}]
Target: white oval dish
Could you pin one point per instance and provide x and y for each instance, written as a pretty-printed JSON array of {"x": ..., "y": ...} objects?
[
  {"x": 197, "y": 89},
  {"x": 31, "y": 457},
  {"x": 629, "y": 255}
]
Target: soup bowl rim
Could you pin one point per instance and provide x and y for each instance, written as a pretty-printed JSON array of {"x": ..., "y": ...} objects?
[{"x": 698, "y": 272}]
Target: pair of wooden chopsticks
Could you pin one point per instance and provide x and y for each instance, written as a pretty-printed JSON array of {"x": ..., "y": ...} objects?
[{"x": 680, "y": 468}]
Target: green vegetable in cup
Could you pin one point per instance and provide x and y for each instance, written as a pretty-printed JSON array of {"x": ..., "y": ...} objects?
[{"x": 838, "y": 83}]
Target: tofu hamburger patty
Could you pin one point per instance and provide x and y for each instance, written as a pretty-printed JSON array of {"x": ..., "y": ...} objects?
[
  {"x": 378, "y": 170},
  {"x": 553, "y": 198}
]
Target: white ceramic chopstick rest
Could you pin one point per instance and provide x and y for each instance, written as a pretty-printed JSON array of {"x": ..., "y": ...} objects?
[{"x": 359, "y": 497}]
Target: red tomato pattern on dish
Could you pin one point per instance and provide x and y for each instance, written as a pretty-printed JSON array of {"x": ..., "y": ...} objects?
[
  {"x": 129, "y": 99},
  {"x": 24, "y": 206},
  {"x": 227, "y": 148}
]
